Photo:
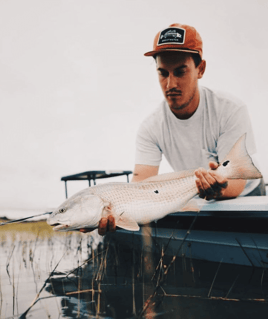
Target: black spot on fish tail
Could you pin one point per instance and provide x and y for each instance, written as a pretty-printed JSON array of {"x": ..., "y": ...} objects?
[
  {"x": 156, "y": 192},
  {"x": 225, "y": 163}
]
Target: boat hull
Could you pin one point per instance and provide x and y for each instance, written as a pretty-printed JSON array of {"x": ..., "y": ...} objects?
[{"x": 231, "y": 231}]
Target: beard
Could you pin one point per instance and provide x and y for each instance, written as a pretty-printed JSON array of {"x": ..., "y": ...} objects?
[{"x": 176, "y": 106}]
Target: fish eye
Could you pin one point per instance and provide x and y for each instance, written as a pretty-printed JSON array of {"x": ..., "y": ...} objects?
[
  {"x": 62, "y": 210},
  {"x": 225, "y": 163}
]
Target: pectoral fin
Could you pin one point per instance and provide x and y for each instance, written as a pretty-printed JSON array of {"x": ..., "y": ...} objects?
[
  {"x": 126, "y": 222},
  {"x": 122, "y": 220},
  {"x": 190, "y": 206}
]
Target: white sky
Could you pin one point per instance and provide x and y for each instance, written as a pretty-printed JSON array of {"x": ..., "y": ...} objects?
[{"x": 74, "y": 84}]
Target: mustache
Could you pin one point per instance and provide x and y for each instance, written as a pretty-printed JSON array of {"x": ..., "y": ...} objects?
[{"x": 173, "y": 91}]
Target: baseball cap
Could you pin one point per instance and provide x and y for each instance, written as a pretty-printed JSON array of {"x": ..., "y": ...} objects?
[{"x": 177, "y": 37}]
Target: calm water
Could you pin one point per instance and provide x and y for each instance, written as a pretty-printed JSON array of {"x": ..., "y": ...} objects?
[{"x": 72, "y": 275}]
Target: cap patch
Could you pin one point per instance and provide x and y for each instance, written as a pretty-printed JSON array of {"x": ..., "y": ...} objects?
[{"x": 172, "y": 36}]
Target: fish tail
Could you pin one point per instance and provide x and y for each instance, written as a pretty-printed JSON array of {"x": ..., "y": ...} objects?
[{"x": 238, "y": 164}]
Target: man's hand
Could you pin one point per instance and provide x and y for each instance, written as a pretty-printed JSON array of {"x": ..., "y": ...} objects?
[
  {"x": 210, "y": 184},
  {"x": 106, "y": 224}
]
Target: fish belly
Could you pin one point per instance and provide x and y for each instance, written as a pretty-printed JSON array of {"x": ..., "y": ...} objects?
[{"x": 146, "y": 202}]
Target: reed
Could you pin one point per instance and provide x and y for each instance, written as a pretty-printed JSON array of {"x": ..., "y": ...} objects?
[{"x": 64, "y": 272}]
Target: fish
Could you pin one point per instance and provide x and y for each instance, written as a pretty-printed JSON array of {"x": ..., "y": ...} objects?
[{"x": 135, "y": 204}]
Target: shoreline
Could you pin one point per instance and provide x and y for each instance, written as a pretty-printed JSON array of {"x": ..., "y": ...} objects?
[{"x": 27, "y": 230}]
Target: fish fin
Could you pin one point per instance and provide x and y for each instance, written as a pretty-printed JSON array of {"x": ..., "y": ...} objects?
[
  {"x": 190, "y": 206},
  {"x": 238, "y": 164},
  {"x": 126, "y": 222},
  {"x": 169, "y": 176}
]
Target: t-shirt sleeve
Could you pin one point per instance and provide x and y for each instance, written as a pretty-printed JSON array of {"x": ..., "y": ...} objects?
[
  {"x": 232, "y": 128},
  {"x": 148, "y": 151}
]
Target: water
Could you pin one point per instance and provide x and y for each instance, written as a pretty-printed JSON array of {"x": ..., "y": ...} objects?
[{"x": 72, "y": 275}]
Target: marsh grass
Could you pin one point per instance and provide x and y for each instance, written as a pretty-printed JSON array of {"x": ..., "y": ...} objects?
[
  {"x": 45, "y": 274},
  {"x": 29, "y": 251}
]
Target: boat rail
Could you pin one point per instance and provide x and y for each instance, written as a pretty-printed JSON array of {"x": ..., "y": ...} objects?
[{"x": 93, "y": 176}]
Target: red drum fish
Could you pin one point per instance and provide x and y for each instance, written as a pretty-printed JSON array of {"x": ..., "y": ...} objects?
[{"x": 134, "y": 204}]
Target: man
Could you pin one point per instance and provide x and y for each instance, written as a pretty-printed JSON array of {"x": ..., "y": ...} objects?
[{"x": 193, "y": 126}]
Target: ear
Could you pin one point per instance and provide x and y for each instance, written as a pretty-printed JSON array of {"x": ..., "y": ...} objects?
[{"x": 201, "y": 69}]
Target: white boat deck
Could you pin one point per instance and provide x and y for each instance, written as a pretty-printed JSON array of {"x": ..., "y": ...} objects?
[
  {"x": 251, "y": 203},
  {"x": 252, "y": 206}
]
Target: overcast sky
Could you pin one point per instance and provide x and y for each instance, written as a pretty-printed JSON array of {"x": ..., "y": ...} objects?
[{"x": 74, "y": 84}]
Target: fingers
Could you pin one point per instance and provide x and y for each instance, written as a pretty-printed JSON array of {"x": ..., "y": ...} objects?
[
  {"x": 106, "y": 224},
  {"x": 86, "y": 230},
  {"x": 111, "y": 223},
  {"x": 103, "y": 226},
  {"x": 213, "y": 165},
  {"x": 210, "y": 185},
  {"x": 204, "y": 183},
  {"x": 221, "y": 180},
  {"x": 201, "y": 191}
]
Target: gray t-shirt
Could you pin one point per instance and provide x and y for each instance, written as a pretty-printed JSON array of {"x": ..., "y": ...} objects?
[{"x": 207, "y": 135}]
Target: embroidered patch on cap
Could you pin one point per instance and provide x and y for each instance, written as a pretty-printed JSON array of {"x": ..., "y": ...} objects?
[{"x": 172, "y": 36}]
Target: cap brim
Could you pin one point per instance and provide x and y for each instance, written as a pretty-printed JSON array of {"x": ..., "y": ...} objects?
[{"x": 152, "y": 53}]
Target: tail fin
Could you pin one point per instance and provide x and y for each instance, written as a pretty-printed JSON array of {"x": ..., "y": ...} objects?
[{"x": 238, "y": 164}]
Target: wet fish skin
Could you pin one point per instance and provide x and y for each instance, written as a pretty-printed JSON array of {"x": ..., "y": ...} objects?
[
  {"x": 134, "y": 204},
  {"x": 130, "y": 203}
]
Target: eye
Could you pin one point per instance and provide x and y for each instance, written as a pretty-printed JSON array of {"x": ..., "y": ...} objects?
[
  {"x": 163, "y": 73},
  {"x": 225, "y": 163},
  {"x": 179, "y": 73},
  {"x": 62, "y": 210}
]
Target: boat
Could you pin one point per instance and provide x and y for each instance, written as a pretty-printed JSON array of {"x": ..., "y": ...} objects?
[{"x": 233, "y": 231}]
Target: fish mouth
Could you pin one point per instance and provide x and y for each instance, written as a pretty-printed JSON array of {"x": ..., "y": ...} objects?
[{"x": 58, "y": 226}]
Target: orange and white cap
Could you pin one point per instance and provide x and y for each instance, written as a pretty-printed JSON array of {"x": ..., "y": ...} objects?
[{"x": 177, "y": 37}]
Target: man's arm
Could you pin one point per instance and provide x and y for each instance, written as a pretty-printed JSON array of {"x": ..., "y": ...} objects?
[
  {"x": 142, "y": 172},
  {"x": 214, "y": 186}
]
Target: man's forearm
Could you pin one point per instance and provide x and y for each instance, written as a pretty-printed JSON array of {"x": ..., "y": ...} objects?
[
  {"x": 234, "y": 188},
  {"x": 142, "y": 172},
  {"x": 211, "y": 185}
]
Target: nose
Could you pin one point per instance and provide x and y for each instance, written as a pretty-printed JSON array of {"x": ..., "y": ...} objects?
[{"x": 171, "y": 82}]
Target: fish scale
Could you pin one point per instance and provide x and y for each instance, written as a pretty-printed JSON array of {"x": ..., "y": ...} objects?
[{"x": 138, "y": 200}]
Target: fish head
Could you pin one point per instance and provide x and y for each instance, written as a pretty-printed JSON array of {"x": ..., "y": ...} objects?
[{"x": 80, "y": 211}]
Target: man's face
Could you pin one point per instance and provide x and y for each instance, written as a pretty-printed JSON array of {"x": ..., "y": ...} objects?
[{"x": 178, "y": 78}]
